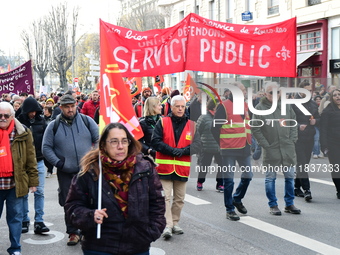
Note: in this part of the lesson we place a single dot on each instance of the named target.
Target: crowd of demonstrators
(174, 138)
(278, 143)
(66, 140)
(210, 148)
(330, 136)
(305, 143)
(89, 107)
(18, 172)
(134, 216)
(138, 107)
(234, 144)
(31, 117)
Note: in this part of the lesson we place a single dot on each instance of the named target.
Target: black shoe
(240, 207)
(298, 193)
(275, 210)
(39, 228)
(308, 195)
(292, 209)
(25, 226)
(232, 216)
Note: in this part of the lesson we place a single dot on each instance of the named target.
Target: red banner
(115, 102)
(17, 80)
(201, 44)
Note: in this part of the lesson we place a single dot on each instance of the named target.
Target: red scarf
(6, 162)
(118, 174)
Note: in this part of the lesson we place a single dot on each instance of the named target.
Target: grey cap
(67, 99)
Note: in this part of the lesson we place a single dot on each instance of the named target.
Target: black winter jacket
(209, 144)
(119, 235)
(330, 129)
(148, 124)
(302, 119)
(37, 125)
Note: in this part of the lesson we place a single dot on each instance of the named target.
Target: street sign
(75, 79)
(247, 15)
(95, 73)
(94, 62)
(95, 68)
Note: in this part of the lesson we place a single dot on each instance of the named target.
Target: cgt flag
(115, 101)
(134, 85)
(190, 88)
(159, 79)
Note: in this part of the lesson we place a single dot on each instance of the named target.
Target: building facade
(318, 34)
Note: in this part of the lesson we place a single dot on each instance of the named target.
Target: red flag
(159, 79)
(134, 85)
(115, 101)
(190, 88)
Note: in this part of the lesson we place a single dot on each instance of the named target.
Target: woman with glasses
(132, 197)
(330, 136)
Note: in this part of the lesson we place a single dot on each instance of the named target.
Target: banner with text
(17, 80)
(201, 44)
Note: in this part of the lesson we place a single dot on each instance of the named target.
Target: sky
(18, 15)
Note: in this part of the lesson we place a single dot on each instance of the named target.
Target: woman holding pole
(131, 207)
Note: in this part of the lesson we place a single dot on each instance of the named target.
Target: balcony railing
(273, 10)
(313, 2)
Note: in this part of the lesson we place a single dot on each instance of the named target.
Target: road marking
(58, 236)
(321, 181)
(195, 200)
(156, 251)
(290, 236)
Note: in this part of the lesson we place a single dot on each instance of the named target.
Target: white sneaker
(320, 156)
(177, 230)
(315, 156)
(48, 175)
(167, 233)
(16, 253)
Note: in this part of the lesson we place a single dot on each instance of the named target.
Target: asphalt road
(206, 229)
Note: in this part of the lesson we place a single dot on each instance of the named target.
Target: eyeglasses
(271, 92)
(6, 116)
(124, 142)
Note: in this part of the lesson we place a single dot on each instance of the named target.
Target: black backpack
(57, 122)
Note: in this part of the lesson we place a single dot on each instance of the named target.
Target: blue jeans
(316, 148)
(38, 196)
(13, 217)
(228, 168)
(88, 252)
(289, 186)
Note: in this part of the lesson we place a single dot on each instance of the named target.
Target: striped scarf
(118, 175)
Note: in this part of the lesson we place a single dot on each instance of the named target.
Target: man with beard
(65, 146)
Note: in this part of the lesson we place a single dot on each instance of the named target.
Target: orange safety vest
(168, 164)
(236, 133)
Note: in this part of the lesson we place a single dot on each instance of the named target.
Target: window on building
(211, 9)
(181, 15)
(197, 10)
(313, 2)
(230, 10)
(308, 41)
(273, 7)
(335, 43)
(250, 5)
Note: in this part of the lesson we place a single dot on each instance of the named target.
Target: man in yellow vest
(234, 139)
(173, 139)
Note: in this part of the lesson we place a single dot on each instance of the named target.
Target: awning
(302, 57)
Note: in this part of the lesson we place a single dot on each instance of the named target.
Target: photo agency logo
(279, 99)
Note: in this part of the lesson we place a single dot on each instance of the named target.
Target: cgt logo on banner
(17, 80)
(205, 45)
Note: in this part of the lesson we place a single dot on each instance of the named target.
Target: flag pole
(100, 177)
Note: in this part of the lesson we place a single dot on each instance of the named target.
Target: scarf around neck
(6, 162)
(118, 175)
